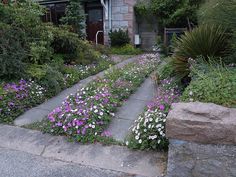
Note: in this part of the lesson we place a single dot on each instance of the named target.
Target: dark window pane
(95, 15)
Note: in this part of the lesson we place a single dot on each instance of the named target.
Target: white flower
(158, 141)
(190, 93)
(140, 141)
(136, 137)
(93, 126)
(127, 143)
(96, 111)
(101, 113)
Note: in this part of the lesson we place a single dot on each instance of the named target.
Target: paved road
(21, 164)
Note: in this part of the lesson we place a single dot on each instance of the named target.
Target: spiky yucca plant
(205, 40)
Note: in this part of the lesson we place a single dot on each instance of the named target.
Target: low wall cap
(206, 123)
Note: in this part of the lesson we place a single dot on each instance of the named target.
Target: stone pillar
(202, 140)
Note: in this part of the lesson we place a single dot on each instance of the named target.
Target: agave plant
(205, 40)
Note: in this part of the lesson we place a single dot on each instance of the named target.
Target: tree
(75, 17)
(169, 13)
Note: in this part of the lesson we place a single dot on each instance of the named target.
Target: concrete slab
(119, 128)
(33, 115)
(21, 139)
(146, 92)
(116, 158)
(131, 109)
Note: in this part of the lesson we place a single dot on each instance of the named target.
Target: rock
(188, 159)
(205, 123)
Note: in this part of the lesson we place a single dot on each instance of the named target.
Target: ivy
(169, 13)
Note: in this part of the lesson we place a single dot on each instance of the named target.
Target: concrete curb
(116, 158)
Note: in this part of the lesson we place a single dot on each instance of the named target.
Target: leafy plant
(53, 81)
(119, 38)
(127, 49)
(206, 41)
(223, 13)
(213, 83)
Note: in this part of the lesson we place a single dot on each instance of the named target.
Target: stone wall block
(202, 122)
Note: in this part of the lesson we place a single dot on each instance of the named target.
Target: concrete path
(38, 113)
(131, 109)
(29, 153)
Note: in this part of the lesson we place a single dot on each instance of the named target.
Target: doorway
(94, 22)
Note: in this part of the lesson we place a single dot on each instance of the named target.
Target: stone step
(115, 158)
(129, 112)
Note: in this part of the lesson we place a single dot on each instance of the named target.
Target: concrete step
(129, 112)
(95, 156)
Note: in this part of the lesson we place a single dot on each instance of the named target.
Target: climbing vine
(178, 13)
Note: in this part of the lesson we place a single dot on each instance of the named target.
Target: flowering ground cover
(19, 96)
(148, 132)
(85, 115)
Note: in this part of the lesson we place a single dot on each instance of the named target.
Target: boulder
(205, 123)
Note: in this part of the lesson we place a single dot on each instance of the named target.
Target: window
(54, 13)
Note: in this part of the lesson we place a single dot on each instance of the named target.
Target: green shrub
(12, 53)
(23, 38)
(205, 40)
(40, 53)
(128, 49)
(72, 75)
(36, 71)
(119, 38)
(102, 49)
(167, 71)
(213, 83)
(53, 81)
(73, 49)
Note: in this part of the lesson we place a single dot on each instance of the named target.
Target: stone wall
(122, 17)
(202, 140)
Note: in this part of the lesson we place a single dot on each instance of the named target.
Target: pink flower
(162, 107)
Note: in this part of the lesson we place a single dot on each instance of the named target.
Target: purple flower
(162, 107)
(83, 131)
(59, 124)
(106, 134)
(11, 104)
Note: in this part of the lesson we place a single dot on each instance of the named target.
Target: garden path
(130, 110)
(38, 113)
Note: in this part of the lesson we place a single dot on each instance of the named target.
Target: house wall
(122, 16)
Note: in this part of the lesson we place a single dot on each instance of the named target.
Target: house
(102, 17)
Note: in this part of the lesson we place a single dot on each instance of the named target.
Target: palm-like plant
(205, 40)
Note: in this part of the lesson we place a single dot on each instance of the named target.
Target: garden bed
(19, 96)
(85, 115)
